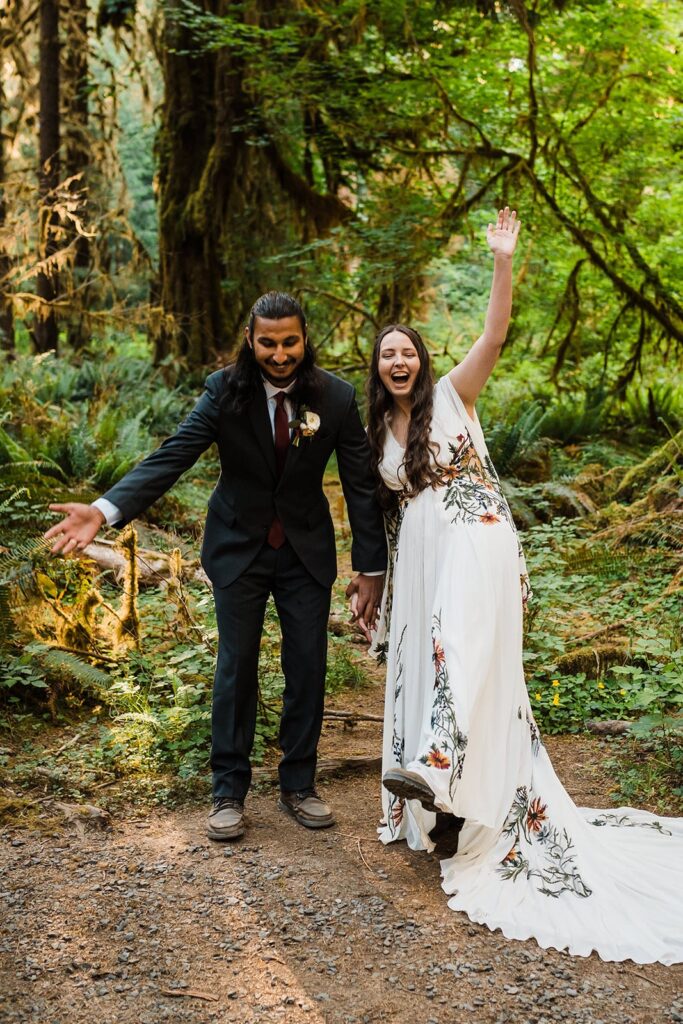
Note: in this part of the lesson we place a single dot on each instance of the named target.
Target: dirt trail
(149, 921)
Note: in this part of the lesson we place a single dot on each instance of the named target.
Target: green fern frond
(15, 456)
(16, 494)
(516, 438)
(602, 561)
(66, 667)
(18, 562)
(139, 716)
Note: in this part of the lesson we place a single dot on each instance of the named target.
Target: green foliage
(517, 438)
(89, 423)
(649, 769)
(638, 668)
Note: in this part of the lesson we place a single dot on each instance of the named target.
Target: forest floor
(137, 918)
(146, 920)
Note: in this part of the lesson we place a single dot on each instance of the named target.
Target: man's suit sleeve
(368, 548)
(157, 473)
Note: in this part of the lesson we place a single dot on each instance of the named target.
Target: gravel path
(148, 922)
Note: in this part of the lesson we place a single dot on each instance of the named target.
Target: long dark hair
(417, 466)
(243, 377)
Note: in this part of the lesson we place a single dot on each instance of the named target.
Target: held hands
(76, 530)
(502, 236)
(365, 597)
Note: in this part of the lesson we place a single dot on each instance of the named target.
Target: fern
(64, 667)
(13, 457)
(517, 438)
(18, 562)
(571, 420)
(144, 717)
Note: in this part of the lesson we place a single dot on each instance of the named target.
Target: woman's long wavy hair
(243, 377)
(417, 465)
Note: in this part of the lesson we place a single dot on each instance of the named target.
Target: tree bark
(6, 311)
(77, 156)
(189, 254)
(45, 327)
(229, 199)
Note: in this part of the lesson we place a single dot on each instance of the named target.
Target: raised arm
(469, 376)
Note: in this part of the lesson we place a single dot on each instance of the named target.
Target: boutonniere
(306, 424)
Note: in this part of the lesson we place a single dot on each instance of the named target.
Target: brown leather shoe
(306, 807)
(409, 786)
(226, 820)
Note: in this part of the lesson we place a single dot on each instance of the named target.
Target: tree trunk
(189, 257)
(77, 155)
(6, 311)
(45, 328)
(229, 200)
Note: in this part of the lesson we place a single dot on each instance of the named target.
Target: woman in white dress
(459, 733)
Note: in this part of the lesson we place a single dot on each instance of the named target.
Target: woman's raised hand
(502, 236)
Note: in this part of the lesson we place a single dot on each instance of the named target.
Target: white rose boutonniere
(306, 424)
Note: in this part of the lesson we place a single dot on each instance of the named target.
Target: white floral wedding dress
(457, 712)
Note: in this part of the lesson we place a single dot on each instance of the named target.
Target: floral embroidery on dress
(623, 821)
(528, 823)
(534, 734)
(435, 758)
(395, 814)
(392, 526)
(472, 489)
(398, 741)
(443, 720)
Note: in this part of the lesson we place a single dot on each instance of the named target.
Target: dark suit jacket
(249, 494)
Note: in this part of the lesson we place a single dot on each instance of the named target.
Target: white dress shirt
(271, 394)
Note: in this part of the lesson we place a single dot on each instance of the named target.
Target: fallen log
(352, 716)
(329, 766)
(153, 566)
(610, 727)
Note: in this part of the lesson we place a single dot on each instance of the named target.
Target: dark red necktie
(276, 533)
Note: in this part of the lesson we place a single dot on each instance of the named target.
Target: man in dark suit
(277, 419)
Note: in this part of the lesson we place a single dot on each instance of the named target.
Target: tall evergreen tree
(6, 311)
(45, 327)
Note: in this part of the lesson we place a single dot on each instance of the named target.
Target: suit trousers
(303, 607)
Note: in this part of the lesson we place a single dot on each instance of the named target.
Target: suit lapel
(295, 452)
(260, 421)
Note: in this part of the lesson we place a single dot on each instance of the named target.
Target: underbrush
(130, 669)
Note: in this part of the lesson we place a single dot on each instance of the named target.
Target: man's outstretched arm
(147, 481)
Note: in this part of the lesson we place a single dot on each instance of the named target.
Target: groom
(276, 418)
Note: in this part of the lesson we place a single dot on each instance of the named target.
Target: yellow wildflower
(601, 686)
(622, 692)
(537, 696)
(556, 699)
(556, 682)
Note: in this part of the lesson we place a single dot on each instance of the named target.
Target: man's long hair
(417, 465)
(243, 377)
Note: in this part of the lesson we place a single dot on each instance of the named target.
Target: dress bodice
(469, 489)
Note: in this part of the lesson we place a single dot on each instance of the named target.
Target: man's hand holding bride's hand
(365, 597)
(76, 530)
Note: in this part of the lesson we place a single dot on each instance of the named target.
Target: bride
(459, 734)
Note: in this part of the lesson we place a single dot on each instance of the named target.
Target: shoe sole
(324, 823)
(223, 837)
(409, 790)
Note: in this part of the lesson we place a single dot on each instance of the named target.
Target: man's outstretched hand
(77, 529)
(365, 595)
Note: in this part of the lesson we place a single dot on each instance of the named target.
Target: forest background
(162, 164)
